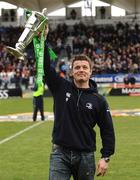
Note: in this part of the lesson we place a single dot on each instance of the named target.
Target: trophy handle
(40, 27)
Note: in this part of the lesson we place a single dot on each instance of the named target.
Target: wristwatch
(107, 159)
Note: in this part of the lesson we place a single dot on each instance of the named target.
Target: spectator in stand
(129, 79)
(17, 79)
(69, 51)
(91, 41)
(25, 77)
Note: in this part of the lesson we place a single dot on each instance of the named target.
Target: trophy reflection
(33, 26)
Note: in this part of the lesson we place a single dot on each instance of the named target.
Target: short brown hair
(81, 57)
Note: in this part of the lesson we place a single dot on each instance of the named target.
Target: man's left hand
(102, 167)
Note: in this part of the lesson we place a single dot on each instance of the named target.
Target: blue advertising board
(114, 78)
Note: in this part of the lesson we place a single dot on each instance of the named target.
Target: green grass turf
(124, 102)
(124, 165)
(26, 157)
(20, 105)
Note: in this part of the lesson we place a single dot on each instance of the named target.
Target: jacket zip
(79, 95)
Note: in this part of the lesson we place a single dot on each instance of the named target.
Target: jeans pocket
(58, 162)
(88, 163)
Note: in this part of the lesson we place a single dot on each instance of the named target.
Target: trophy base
(15, 52)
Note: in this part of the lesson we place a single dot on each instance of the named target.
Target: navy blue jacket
(76, 112)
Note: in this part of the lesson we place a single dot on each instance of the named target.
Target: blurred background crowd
(112, 49)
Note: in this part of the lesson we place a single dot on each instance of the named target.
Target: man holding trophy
(77, 109)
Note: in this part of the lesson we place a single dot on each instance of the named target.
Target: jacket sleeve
(52, 79)
(107, 134)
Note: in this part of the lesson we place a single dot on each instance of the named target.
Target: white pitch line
(19, 133)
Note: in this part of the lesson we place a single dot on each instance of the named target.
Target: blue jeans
(65, 163)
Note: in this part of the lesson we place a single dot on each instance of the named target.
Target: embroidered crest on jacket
(89, 105)
(68, 95)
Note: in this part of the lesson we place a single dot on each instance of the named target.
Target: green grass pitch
(26, 157)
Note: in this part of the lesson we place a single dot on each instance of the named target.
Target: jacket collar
(92, 87)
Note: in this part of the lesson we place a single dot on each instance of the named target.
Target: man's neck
(82, 85)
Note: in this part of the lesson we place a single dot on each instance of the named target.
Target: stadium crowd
(112, 48)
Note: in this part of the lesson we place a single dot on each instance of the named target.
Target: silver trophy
(33, 26)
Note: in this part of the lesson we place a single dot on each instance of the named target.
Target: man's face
(81, 71)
